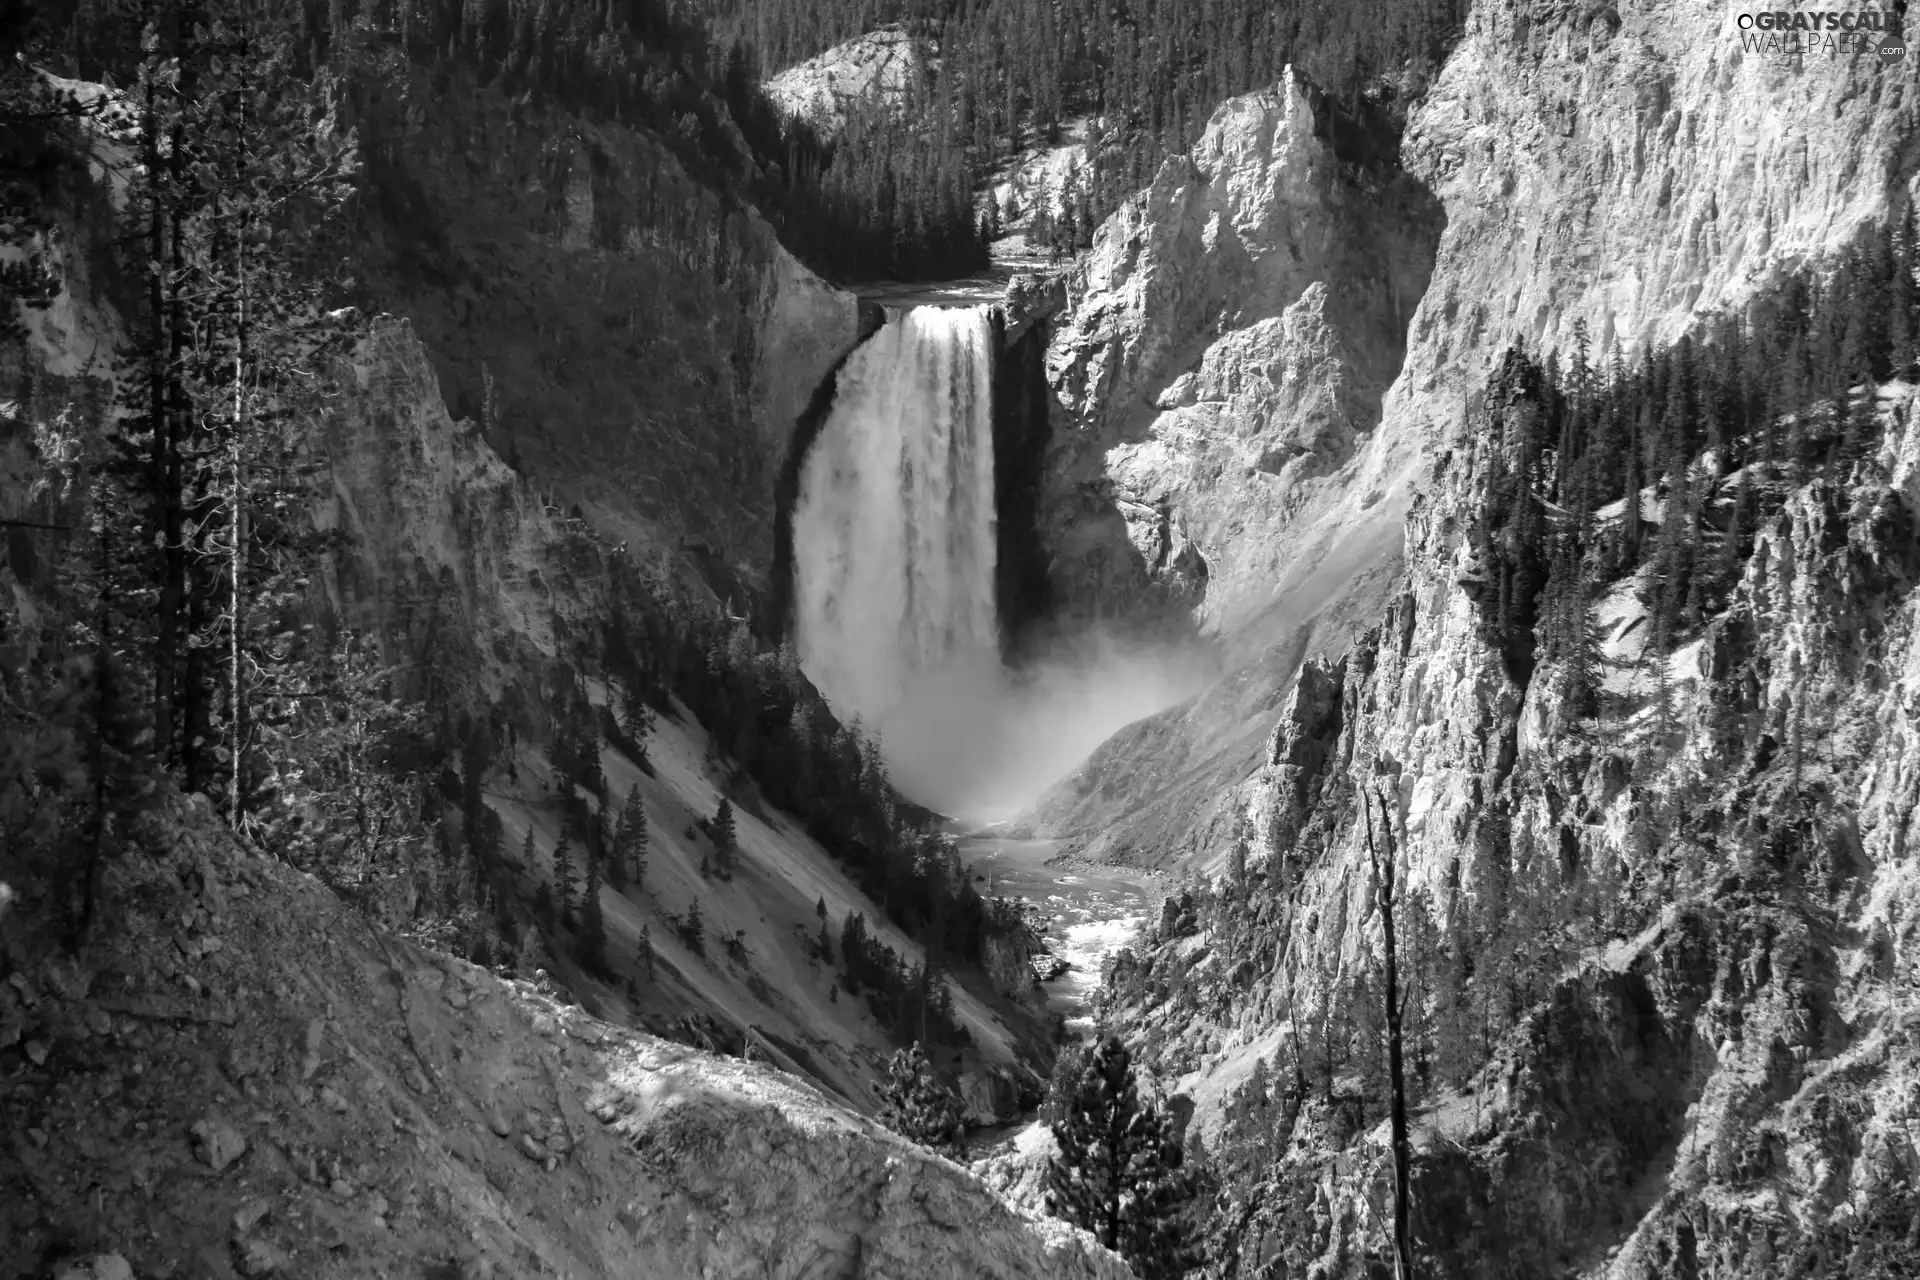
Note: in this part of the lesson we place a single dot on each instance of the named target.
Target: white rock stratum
(882, 68)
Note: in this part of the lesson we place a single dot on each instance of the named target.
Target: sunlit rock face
(1744, 1056)
(882, 69)
(1633, 168)
(1230, 336)
(1736, 1017)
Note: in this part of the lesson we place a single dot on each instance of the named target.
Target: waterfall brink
(893, 531)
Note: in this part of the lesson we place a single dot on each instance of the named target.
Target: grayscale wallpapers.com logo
(1829, 32)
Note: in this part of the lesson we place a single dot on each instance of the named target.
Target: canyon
(1165, 557)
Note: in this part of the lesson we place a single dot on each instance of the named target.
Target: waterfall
(893, 530)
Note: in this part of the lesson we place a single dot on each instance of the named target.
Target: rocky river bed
(1084, 912)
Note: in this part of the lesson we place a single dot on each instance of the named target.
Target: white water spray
(893, 534)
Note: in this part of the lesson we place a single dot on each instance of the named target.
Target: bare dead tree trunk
(1383, 870)
(238, 727)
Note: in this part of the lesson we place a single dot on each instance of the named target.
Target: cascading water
(894, 551)
(893, 532)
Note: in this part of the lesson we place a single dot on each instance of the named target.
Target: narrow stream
(1089, 912)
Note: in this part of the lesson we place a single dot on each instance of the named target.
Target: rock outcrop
(447, 549)
(240, 1073)
(1230, 338)
(1008, 960)
(883, 70)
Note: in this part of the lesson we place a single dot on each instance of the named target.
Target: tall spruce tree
(1120, 1174)
(563, 880)
(693, 930)
(724, 840)
(630, 847)
(592, 945)
(607, 828)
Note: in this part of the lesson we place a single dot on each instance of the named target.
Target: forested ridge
(886, 200)
(1709, 434)
(895, 193)
(1012, 72)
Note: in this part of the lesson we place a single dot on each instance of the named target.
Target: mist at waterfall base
(895, 618)
(982, 742)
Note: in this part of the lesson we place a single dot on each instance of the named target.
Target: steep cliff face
(1708, 1067)
(1715, 1082)
(1231, 334)
(1632, 168)
(445, 540)
(642, 344)
(241, 1075)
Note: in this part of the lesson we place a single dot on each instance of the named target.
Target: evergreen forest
(895, 194)
(1151, 72)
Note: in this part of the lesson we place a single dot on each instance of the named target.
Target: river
(1090, 912)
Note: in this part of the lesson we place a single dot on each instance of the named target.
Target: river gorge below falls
(1086, 913)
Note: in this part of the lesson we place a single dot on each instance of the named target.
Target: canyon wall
(1725, 1076)
(885, 68)
(1632, 168)
(1721, 1082)
(634, 340)
(1230, 335)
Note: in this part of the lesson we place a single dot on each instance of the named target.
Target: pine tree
(694, 930)
(631, 844)
(724, 840)
(915, 1104)
(1119, 1173)
(563, 880)
(1382, 864)
(593, 926)
(1902, 329)
(615, 864)
(636, 727)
